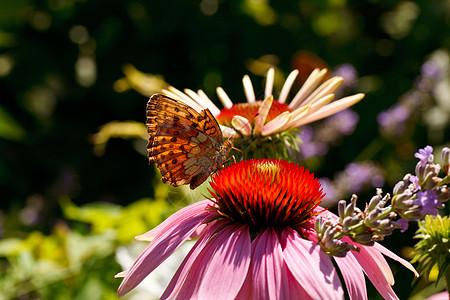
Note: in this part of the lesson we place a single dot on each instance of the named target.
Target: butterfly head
(228, 144)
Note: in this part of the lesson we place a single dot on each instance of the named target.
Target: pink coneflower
(261, 128)
(257, 240)
(311, 103)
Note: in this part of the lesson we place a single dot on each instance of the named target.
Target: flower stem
(341, 234)
(355, 228)
(444, 180)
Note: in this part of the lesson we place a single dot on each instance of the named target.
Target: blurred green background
(65, 207)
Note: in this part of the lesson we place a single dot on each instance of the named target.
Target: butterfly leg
(232, 157)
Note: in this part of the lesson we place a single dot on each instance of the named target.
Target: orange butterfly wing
(160, 108)
(187, 146)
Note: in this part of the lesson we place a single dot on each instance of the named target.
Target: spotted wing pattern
(187, 146)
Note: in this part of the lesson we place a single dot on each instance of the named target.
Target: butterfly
(186, 145)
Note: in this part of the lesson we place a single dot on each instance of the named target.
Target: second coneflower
(257, 240)
(263, 128)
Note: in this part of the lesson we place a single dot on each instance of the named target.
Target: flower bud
(401, 186)
(364, 239)
(374, 202)
(442, 193)
(446, 160)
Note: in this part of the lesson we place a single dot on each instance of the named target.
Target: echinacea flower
(257, 122)
(257, 240)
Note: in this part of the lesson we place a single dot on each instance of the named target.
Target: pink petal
(308, 87)
(296, 289)
(201, 230)
(439, 296)
(179, 277)
(353, 276)
(277, 124)
(227, 131)
(246, 291)
(324, 89)
(319, 103)
(269, 273)
(263, 111)
(170, 236)
(311, 267)
(394, 256)
(298, 115)
(242, 125)
(193, 209)
(376, 268)
(332, 108)
(221, 267)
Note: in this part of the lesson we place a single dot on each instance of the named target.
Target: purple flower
(424, 154)
(306, 134)
(404, 224)
(396, 114)
(429, 201)
(415, 181)
(331, 194)
(345, 121)
(312, 149)
(392, 121)
(431, 70)
(309, 147)
(360, 174)
(348, 72)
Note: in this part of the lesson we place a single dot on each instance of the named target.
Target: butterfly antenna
(239, 130)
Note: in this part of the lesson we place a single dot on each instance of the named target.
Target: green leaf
(9, 128)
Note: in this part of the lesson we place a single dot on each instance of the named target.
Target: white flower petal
(242, 125)
(332, 108)
(262, 114)
(287, 86)
(248, 89)
(276, 125)
(212, 107)
(297, 115)
(179, 95)
(269, 82)
(169, 93)
(198, 99)
(227, 132)
(226, 101)
(310, 84)
(320, 102)
(326, 88)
